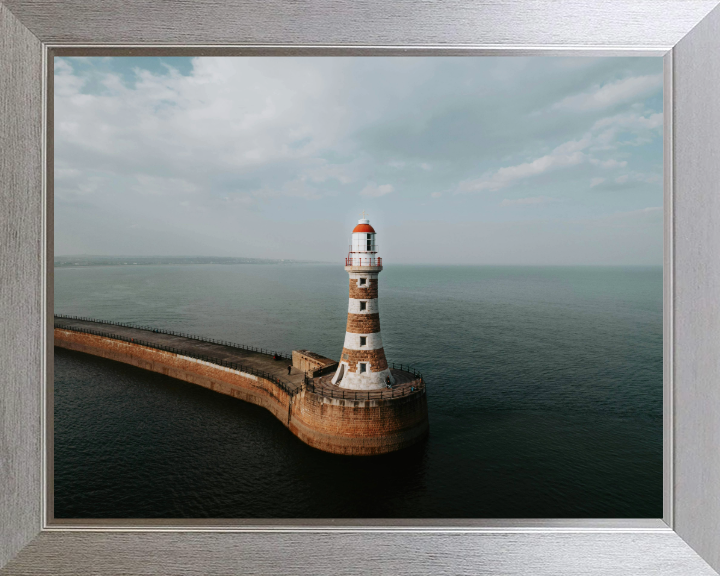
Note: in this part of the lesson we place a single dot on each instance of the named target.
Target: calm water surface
(544, 392)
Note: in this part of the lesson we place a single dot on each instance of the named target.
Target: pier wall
(340, 426)
(356, 427)
(240, 385)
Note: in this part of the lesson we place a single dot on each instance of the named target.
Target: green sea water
(544, 394)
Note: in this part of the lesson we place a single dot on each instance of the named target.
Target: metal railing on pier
(280, 355)
(180, 352)
(406, 368)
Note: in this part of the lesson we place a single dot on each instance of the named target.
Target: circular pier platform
(406, 383)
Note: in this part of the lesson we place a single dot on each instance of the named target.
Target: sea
(544, 389)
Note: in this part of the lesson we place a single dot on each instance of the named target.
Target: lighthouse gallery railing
(356, 261)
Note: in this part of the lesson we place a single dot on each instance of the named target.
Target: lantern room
(363, 249)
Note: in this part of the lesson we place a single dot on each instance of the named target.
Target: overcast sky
(470, 160)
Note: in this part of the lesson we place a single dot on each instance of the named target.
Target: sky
(456, 160)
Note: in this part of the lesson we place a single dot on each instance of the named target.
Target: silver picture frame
(686, 33)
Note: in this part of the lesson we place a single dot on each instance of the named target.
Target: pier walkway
(256, 360)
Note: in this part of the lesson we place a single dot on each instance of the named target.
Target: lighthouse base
(361, 380)
(361, 423)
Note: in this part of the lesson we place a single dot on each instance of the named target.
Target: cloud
(633, 218)
(630, 121)
(246, 200)
(610, 94)
(211, 154)
(229, 119)
(321, 170)
(372, 190)
(281, 123)
(647, 178)
(641, 128)
(567, 154)
(603, 135)
(628, 181)
(65, 173)
(298, 188)
(611, 163)
(165, 186)
(398, 164)
(650, 210)
(525, 201)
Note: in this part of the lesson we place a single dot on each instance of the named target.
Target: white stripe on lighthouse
(373, 341)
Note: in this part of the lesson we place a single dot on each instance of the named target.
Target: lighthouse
(363, 365)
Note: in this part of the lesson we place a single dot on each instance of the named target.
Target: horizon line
(294, 261)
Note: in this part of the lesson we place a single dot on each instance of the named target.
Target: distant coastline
(80, 261)
(86, 261)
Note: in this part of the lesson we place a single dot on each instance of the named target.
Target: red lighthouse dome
(363, 228)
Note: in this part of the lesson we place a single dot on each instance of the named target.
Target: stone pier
(318, 412)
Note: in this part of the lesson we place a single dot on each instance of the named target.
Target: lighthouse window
(363, 340)
(363, 367)
(362, 281)
(363, 305)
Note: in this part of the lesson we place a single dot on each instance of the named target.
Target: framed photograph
(505, 288)
(650, 123)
